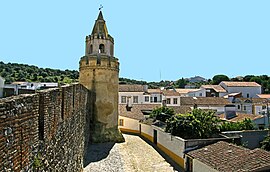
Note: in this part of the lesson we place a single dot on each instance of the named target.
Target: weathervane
(100, 7)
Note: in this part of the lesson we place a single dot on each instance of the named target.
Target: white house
(214, 90)
(171, 98)
(2, 82)
(133, 94)
(251, 106)
(208, 103)
(223, 156)
(155, 95)
(248, 89)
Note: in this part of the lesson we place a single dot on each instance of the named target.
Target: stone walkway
(133, 155)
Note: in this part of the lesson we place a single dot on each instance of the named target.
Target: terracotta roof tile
(154, 91)
(240, 84)
(241, 116)
(170, 93)
(136, 110)
(181, 109)
(131, 88)
(217, 88)
(265, 96)
(224, 156)
(185, 91)
(184, 101)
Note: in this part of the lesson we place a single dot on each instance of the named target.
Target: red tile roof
(136, 110)
(217, 88)
(265, 96)
(131, 88)
(224, 156)
(240, 84)
(241, 116)
(170, 93)
(185, 101)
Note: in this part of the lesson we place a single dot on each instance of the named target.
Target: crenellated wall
(45, 131)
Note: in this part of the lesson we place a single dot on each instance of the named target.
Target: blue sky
(153, 39)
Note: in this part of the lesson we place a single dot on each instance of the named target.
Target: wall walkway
(133, 155)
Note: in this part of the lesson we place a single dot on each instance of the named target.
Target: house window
(238, 106)
(155, 99)
(135, 99)
(123, 99)
(146, 98)
(168, 101)
(174, 100)
(247, 95)
(121, 122)
(263, 107)
(245, 108)
(200, 94)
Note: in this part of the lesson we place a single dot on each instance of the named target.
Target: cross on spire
(100, 7)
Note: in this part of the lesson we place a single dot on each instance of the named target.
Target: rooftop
(240, 84)
(241, 116)
(185, 101)
(265, 96)
(224, 156)
(136, 110)
(170, 93)
(185, 91)
(131, 88)
(217, 88)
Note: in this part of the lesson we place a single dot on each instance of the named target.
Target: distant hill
(23, 72)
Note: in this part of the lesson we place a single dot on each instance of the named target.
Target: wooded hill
(23, 72)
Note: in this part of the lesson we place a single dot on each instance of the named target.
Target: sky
(154, 40)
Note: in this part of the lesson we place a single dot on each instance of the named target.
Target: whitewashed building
(248, 89)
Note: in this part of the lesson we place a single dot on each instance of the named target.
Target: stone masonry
(99, 72)
(45, 131)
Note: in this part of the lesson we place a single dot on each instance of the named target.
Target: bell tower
(99, 72)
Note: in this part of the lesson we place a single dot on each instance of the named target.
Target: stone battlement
(46, 131)
(100, 62)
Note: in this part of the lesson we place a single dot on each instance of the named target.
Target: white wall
(172, 97)
(159, 98)
(199, 93)
(172, 143)
(201, 167)
(2, 81)
(129, 124)
(131, 95)
(252, 91)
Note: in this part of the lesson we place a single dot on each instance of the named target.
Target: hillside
(23, 72)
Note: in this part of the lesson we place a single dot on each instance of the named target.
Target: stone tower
(99, 72)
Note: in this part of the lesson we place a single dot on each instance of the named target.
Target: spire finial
(100, 7)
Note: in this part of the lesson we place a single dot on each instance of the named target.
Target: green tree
(198, 124)
(162, 113)
(246, 124)
(218, 78)
(181, 83)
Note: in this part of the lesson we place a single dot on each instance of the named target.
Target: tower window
(101, 48)
(111, 50)
(91, 49)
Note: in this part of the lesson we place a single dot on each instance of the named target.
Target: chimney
(230, 111)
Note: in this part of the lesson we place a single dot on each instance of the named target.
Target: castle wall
(45, 131)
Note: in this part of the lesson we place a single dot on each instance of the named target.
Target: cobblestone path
(133, 155)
